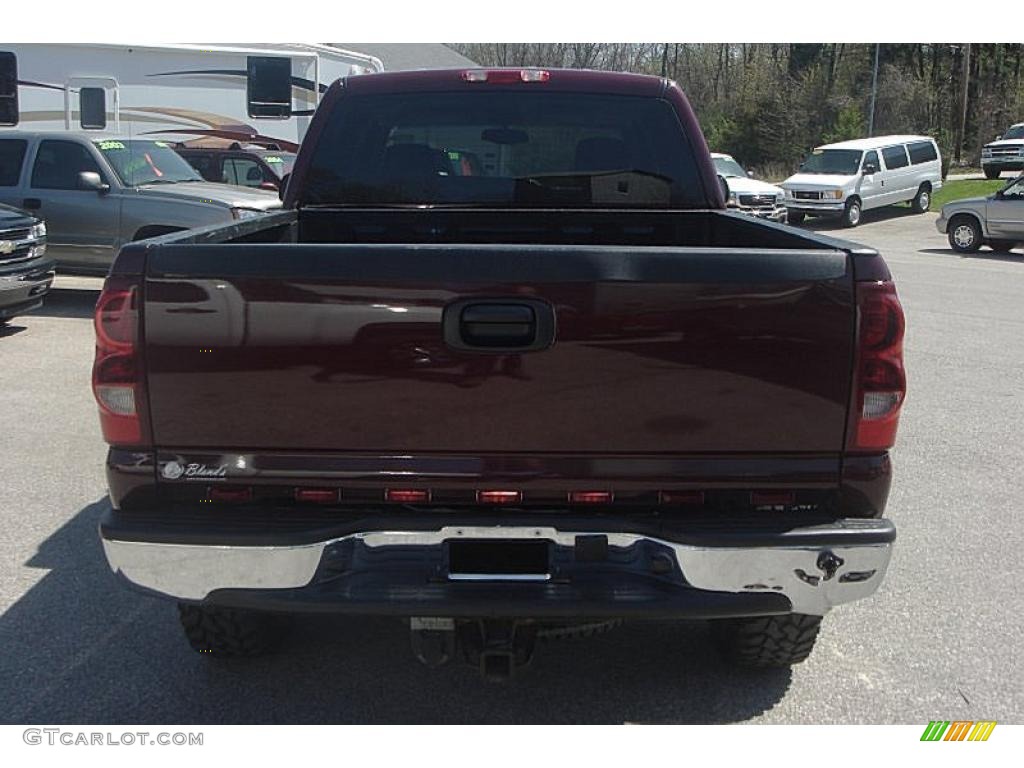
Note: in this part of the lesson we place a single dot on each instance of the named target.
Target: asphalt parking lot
(941, 640)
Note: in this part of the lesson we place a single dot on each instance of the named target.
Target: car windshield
(843, 162)
(1015, 189)
(280, 163)
(1017, 132)
(499, 147)
(139, 162)
(728, 167)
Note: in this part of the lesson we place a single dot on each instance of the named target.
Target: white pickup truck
(1006, 153)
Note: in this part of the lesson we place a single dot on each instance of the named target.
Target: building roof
(875, 142)
(397, 56)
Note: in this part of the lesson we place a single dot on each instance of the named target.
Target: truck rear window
(503, 148)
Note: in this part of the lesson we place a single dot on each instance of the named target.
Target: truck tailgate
(343, 348)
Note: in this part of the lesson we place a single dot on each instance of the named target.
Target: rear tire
(991, 173)
(964, 234)
(794, 217)
(922, 200)
(851, 216)
(767, 641)
(227, 632)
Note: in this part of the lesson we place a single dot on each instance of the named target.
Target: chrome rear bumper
(810, 567)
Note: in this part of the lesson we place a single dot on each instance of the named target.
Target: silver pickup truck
(98, 193)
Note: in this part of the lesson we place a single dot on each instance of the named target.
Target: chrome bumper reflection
(814, 578)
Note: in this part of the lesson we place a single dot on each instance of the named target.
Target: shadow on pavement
(873, 216)
(68, 302)
(80, 648)
(10, 328)
(1014, 257)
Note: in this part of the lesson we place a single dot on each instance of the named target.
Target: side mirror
(998, 136)
(750, 174)
(870, 169)
(283, 185)
(92, 181)
(269, 186)
(724, 186)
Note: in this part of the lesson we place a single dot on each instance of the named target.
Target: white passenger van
(842, 180)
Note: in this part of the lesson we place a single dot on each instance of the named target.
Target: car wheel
(768, 641)
(794, 217)
(964, 234)
(851, 216)
(922, 200)
(992, 173)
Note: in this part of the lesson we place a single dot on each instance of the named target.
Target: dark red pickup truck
(504, 366)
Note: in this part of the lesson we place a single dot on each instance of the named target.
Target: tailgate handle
(499, 325)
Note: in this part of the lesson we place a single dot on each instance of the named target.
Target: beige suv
(996, 221)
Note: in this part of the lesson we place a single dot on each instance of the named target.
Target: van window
(8, 88)
(845, 162)
(92, 108)
(270, 86)
(12, 155)
(58, 164)
(922, 152)
(895, 157)
(871, 158)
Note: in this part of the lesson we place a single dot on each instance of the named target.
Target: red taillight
(881, 383)
(506, 76)
(591, 497)
(499, 497)
(317, 495)
(407, 496)
(117, 370)
(230, 494)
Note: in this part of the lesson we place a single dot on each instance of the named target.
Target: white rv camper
(260, 93)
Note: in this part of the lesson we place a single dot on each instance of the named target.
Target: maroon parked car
(548, 389)
(242, 165)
